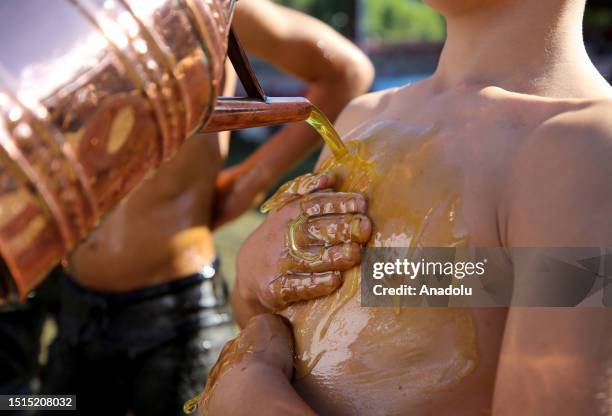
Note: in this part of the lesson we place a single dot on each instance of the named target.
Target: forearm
(244, 308)
(253, 373)
(257, 389)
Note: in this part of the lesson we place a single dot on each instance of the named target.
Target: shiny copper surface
(94, 94)
(237, 113)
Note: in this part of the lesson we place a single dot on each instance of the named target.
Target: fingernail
(319, 181)
(356, 226)
(361, 204)
(360, 227)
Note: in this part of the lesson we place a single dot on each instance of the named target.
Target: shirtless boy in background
(144, 310)
(507, 144)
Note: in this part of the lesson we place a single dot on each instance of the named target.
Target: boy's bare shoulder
(560, 191)
(592, 116)
(582, 133)
(362, 108)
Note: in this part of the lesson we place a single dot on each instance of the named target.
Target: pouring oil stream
(326, 130)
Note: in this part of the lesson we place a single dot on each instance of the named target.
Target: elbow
(343, 75)
(357, 74)
(349, 73)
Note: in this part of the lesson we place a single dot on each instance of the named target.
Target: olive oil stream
(330, 136)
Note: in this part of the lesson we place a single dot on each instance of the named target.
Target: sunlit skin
(502, 146)
(163, 230)
(267, 339)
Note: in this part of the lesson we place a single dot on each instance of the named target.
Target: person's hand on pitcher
(299, 252)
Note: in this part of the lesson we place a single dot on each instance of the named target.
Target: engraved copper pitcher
(94, 94)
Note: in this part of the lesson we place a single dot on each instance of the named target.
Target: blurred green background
(387, 20)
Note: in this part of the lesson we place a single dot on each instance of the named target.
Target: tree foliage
(333, 12)
(386, 20)
(402, 21)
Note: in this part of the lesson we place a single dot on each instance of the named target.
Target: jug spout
(238, 113)
(256, 109)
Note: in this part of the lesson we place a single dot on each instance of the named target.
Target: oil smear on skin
(340, 152)
(234, 352)
(345, 354)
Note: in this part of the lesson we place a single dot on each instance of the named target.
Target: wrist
(266, 175)
(245, 305)
(259, 174)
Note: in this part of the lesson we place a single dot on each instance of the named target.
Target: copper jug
(94, 94)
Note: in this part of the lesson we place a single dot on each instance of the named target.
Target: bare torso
(161, 231)
(440, 165)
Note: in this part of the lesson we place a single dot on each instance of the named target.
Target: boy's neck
(526, 46)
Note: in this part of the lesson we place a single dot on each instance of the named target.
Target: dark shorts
(20, 330)
(145, 352)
